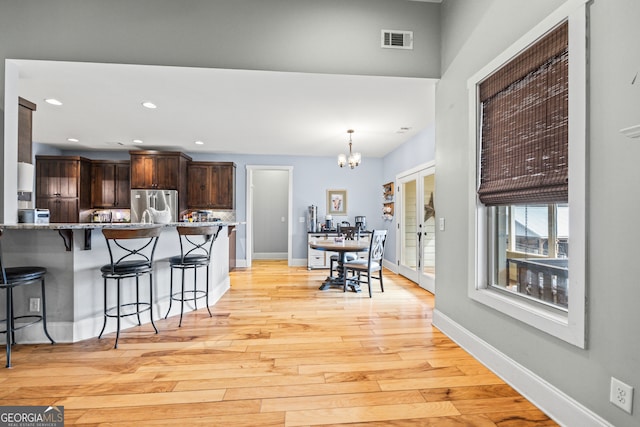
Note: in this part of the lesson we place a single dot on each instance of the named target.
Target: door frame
(249, 209)
(418, 173)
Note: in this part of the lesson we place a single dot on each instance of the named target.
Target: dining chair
(371, 265)
(131, 252)
(11, 278)
(349, 233)
(196, 243)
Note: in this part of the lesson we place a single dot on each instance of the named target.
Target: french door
(417, 227)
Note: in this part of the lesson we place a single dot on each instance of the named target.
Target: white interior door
(416, 225)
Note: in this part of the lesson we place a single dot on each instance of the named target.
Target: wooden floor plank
(342, 401)
(276, 352)
(369, 413)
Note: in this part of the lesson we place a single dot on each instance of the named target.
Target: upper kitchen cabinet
(211, 185)
(110, 184)
(158, 170)
(25, 125)
(62, 186)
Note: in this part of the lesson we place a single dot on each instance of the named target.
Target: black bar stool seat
(131, 252)
(11, 278)
(24, 274)
(127, 268)
(196, 243)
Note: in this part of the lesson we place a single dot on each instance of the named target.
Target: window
(531, 245)
(528, 119)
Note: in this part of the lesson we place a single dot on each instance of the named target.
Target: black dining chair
(196, 243)
(131, 252)
(367, 268)
(13, 277)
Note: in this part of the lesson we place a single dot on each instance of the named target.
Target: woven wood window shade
(525, 152)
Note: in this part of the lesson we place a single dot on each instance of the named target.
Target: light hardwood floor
(277, 352)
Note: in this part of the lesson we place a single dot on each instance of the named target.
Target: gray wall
(613, 349)
(328, 36)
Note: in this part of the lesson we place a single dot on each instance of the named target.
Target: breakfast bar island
(73, 254)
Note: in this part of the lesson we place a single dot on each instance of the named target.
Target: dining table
(341, 246)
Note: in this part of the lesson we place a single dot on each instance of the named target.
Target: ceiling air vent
(397, 39)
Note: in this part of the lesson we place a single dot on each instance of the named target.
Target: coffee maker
(328, 219)
(361, 223)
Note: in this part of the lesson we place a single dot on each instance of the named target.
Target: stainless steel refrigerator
(157, 206)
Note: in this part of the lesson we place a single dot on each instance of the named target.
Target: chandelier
(354, 159)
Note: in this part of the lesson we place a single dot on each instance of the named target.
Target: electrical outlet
(621, 395)
(34, 305)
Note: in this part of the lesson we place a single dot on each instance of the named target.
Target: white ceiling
(231, 111)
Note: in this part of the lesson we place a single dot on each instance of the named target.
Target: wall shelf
(388, 201)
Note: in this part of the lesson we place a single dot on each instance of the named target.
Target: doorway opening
(269, 204)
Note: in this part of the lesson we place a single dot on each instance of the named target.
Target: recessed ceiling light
(137, 141)
(53, 101)
(149, 104)
(73, 140)
(199, 142)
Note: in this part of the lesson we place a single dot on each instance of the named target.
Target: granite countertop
(100, 225)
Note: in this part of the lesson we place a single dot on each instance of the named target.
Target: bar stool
(13, 277)
(195, 252)
(131, 253)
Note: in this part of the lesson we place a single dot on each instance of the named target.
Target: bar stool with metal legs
(13, 277)
(131, 253)
(196, 243)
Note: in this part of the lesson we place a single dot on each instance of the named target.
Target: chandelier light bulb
(354, 159)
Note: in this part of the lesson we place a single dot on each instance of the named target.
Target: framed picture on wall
(337, 202)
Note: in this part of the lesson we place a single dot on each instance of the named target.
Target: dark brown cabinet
(110, 184)
(158, 170)
(25, 124)
(61, 186)
(211, 185)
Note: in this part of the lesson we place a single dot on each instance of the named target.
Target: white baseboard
(299, 262)
(390, 265)
(270, 255)
(559, 406)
